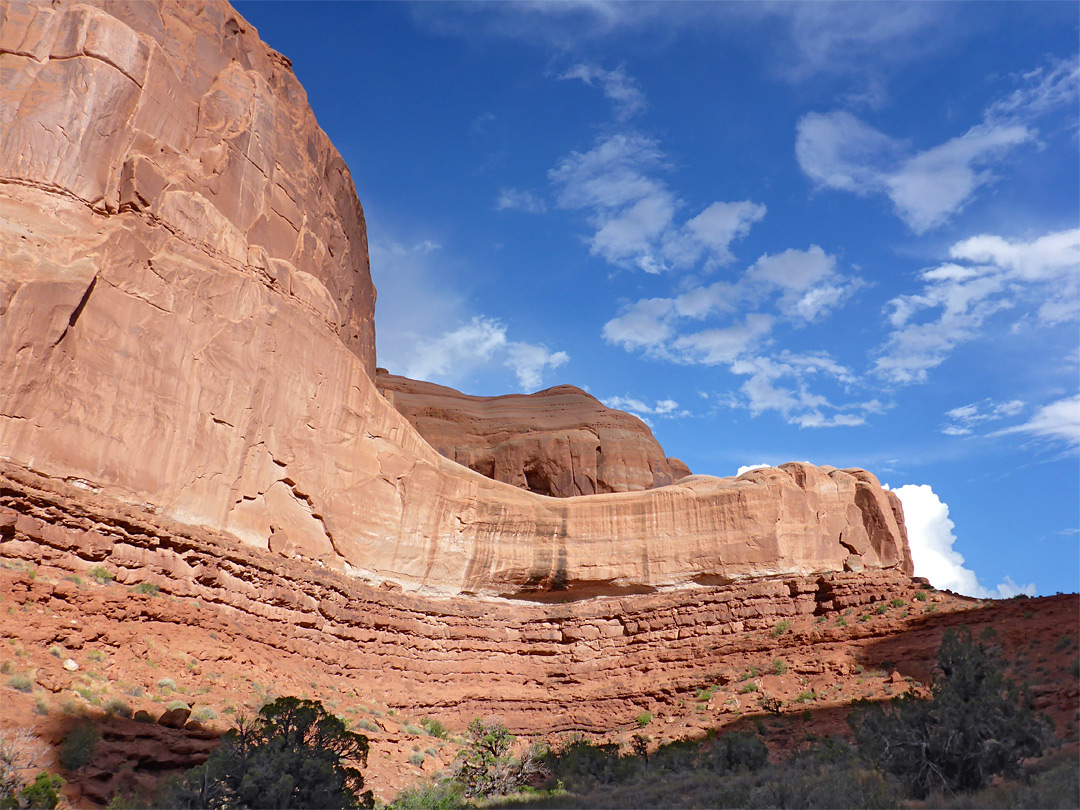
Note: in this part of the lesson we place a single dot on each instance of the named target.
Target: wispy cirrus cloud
(622, 90)
(989, 274)
(427, 331)
(1057, 421)
(838, 151)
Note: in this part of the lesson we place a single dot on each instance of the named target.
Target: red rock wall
(160, 346)
(560, 441)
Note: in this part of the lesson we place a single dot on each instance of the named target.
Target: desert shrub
(56, 651)
(21, 682)
(898, 602)
(148, 588)
(40, 706)
(79, 746)
(416, 758)
(95, 655)
(434, 728)
(43, 793)
(205, 713)
(367, 725)
(177, 704)
(101, 575)
(779, 667)
(20, 750)
(976, 723)
(412, 730)
(781, 627)
(920, 596)
(486, 766)
(443, 795)
(166, 684)
(1055, 788)
(644, 719)
(118, 707)
(747, 688)
(293, 754)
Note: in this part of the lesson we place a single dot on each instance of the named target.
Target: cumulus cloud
(838, 151)
(529, 362)
(1059, 421)
(1041, 276)
(622, 90)
(930, 535)
(749, 467)
(809, 284)
(633, 212)
(512, 199)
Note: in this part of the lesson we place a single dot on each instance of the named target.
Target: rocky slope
(560, 441)
(190, 614)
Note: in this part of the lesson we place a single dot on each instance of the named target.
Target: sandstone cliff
(185, 323)
(560, 441)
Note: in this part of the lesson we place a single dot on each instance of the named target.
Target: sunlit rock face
(186, 323)
(560, 441)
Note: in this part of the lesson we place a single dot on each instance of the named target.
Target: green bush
(412, 730)
(147, 588)
(442, 795)
(748, 687)
(781, 627)
(166, 684)
(485, 766)
(101, 575)
(118, 707)
(920, 596)
(56, 651)
(416, 758)
(976, 724)
(177, 704)
(779, 667)
(79, 746)
(644, 719)
(294, 754)
(434, 728)
(21, 683)
(205, 713)
(43, 793)
(95, 655)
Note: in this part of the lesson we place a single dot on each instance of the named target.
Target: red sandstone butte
(186, 323)
(560, 441)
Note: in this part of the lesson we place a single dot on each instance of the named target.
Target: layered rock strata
(589, 665)
(185, 322)
(560, 441)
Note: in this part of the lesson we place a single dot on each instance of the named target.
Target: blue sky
(847, 234)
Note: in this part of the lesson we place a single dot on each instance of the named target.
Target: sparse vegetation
(976, 724)
(204, 714)
(56, 651)
(294, 754)
(119, 707)
(177, 704)
(148, 588)
(101, 575)
(643, 719)
(920, 596)
(95, 655)
(898, 603)
(167, 685)
(79, 746)
(21, 682)
(412, 730)
(416, 758)
(434, 728)
(779, 667)
(781, 627)
(486, 765)
(747, 688)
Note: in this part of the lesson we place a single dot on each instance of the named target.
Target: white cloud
(930, 535)
(1042, 275)
(1059, 421)
(723, 345)
(964, 419)
(621, 89)
(810, 285)
(643, 325)
(662, 407)
(512, 199)
(425, 329)
(633, 212)
(749, 467)
(838, 151)
(529, 362)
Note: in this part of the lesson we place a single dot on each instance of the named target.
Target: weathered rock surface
(232, 622)
(185, 322)
(560, 441)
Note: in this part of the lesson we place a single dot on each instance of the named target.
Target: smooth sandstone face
(560, 441)
(186, 322)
